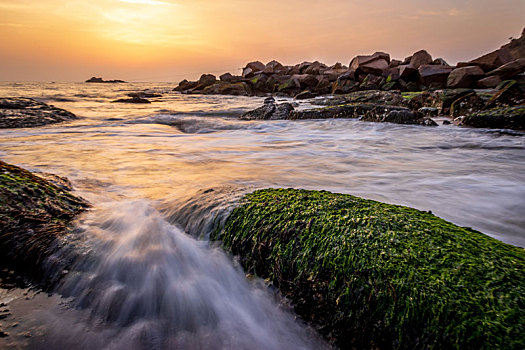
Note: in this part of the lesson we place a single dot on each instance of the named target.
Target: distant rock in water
(135, 99)
(21, 112)
(100, 80)
(34, 212)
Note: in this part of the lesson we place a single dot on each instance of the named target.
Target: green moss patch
(33, 212)
(370, 274)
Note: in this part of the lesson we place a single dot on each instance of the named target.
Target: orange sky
(168, 40)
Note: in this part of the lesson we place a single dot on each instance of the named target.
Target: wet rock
(497, 118)
(132, 100)
(510, 69)
(20, 112)
(489, 82)
(144, 94)
(464, 77)
(269, 111)
(100, 80)
(435, 76)
(508, 94)
(467, 105)
(305, 95)
(186, 85)
(398, 116)
(33, 214)
(420, 58)
(428, 111)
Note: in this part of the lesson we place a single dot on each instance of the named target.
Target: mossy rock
(33, 213)
(498, 118)
(373, 275)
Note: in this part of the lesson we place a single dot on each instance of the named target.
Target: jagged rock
(394, 63)
(407, 72)
(372, 64)
(420, 58)
(305, 81)
(371, 82)
(434, 76)
(398, 116)
(491, 60)
(315, 68)
(334, 74)
(252, 68)
(508, 94)
(100, 80)
(510, 69)
(464, 77)
(516, 47)
(227, 77)
(135, 99)
(20, 112)
(392, 74)
(269, 111)
(440, 62)
(498, 118)
(186, 85)
(467, 105)
(489, 82)
(274, 67)
(338, 65)
(205, 80)
(428, 111)
(225, 88)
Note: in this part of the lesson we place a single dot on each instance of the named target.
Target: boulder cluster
(378, 71)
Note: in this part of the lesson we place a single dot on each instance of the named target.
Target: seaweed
(369, 274)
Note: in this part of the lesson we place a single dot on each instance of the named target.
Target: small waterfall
(156, 287)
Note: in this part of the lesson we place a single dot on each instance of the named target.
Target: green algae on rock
(33, 213)
(369, 274)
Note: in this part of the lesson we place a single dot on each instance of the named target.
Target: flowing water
(144, 274)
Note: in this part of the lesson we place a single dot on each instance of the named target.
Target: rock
(269, 100)
(186, 85)
(132, 100)
(338, 65)
(274, 67)
(334, 74)
(489, 82)
(144, 94)
(372, 64)
(256, 66)
(371, 82)
(510, 69)
(464, 77)
(305, 81)
(516, 47)
(228, 78)
(391, 74)
(440, 62)
(269, 111)
(407, 72)
(225, 88)
(491, 60)
(33, 214)
(497, 118)
(409, 279)
(205, 80)
(305, 95)
(398, 116)
(100, 80)
(466, 105)
(428, 111)
(20, 112)
(315, 68)
(434, 75)
(394, 63)
(420, 58)
(508, 94)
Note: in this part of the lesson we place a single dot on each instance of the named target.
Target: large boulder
(497, 118)
(434, 76)
(334, 74)
(464, 77)
(489, 82)
(227, 77)
(315, 68)
(20, 112)
(371, 64)
(516, 47)
(269, 111)
(186, 85)
(252, 68)
(274, 67)
(34, 214)
(407, 72)
(305, 81)
(375, 275)
(510, 69)
(420, 58)
(225, 88)
(205, 81)
(490, 61)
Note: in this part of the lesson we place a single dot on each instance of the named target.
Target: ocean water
(157, 175)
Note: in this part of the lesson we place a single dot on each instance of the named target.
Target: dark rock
(305, 95)
(391, 74)
(492, 60)
(446, 122)
(252, 68)
(510, 69)
(315, 68)
(489, 82)
(227, 77)
(464, 77)
(205, 80)
(33, 214)
(429, 74)
(497, 118)
(371, 82)
(270, 111)
(186, 85)
(372, 64)
(516, 47)
(338, 65)
(144, 94)
(420, 58)
(394, 63)
(274, 67)
(440, 62)
(334, 74)
(20, 112)
(398, 116)
(305, 81)
(100, 80)
(467, 105)
(225, 88)
(132, 100)
(269, 100)
(428, 111)
(407, 72)
(508, 94)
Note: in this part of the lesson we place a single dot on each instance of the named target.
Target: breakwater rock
(374, 275)
(100, 80)
(417, 72)
(34, 212)
(21, 112)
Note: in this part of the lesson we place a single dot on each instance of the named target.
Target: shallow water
(149, 170)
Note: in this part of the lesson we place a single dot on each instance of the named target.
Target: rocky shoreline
(21, 112)
(372, 275)
(488, 91)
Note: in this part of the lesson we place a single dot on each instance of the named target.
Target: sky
(169, 40)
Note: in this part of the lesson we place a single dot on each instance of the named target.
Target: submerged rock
(372, 275)
(33, 214)
(21, 112)
(100, 80)
(135, 99)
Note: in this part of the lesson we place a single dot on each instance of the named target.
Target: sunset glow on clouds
(167, 40)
